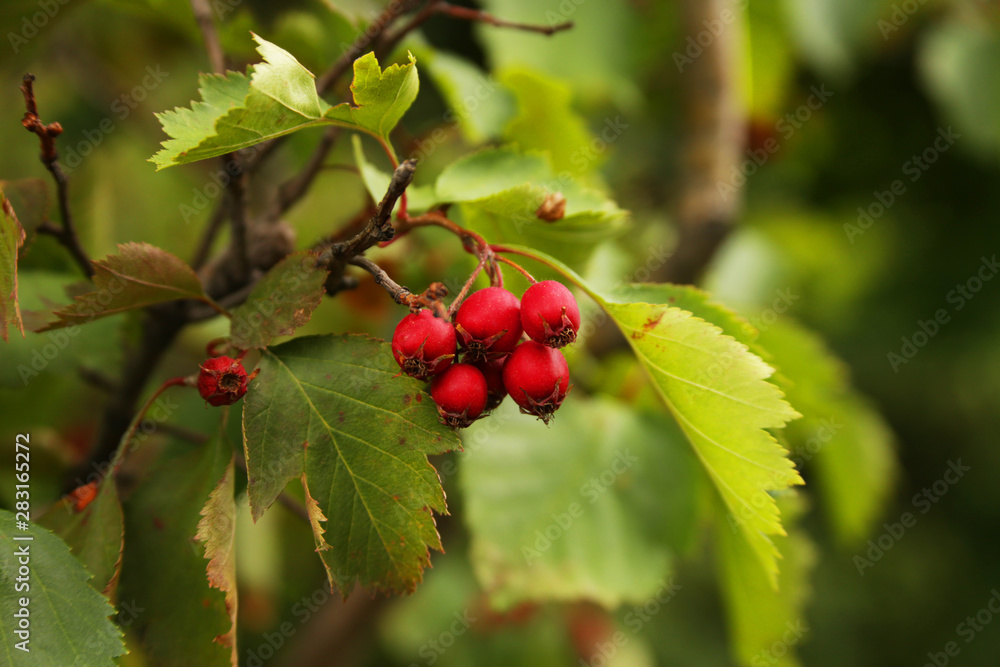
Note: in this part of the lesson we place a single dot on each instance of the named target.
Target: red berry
(489, 323)
(83, 496)
(423, 345)
(460, 394)
(222, 381)
(492, 370)
(537, 378)
(549, 314)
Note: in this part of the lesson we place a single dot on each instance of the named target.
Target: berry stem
(387, 147)
(465, 288)
(518, 267)
(141, 415)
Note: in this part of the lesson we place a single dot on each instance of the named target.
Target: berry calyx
(492, 370)
(489, 323)
(423, 345)
(537, 378)
(550, 314)
(223, 381)
(460, 393)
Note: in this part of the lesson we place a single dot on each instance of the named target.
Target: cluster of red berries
(494, 362)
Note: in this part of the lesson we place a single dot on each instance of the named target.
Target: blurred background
(864, 192)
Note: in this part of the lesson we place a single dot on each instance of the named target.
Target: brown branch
(398, 293)
(292, 190)
(371, 35)
(209, 234)
(203, 15)
(708, 205)
(335, 256)
(238, 217)
(66, 234)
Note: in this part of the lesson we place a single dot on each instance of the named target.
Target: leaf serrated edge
(221, 568)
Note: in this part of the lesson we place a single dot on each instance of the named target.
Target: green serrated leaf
(717, 391)
(332, 407)
(381, 97)
(419, 197)
(479, 104)
(500, 189)
(12, 239)
(68, 619)
(95, 535)
(846, 440)
(237, 112)
(280, 303)
(957, 59)
(277, 98)
(191, 129)
(490, 172)
(138, 276)
(766, 624)
(595, 514)
(183, 619)
(547, 122)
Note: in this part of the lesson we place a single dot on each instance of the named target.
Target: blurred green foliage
(897, 75)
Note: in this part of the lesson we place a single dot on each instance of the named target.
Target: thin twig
(209, 234)
(292, 190)
(438, 7)
(203, 15)
(398, 293)
(378, 229)
(66, 235)
(238, 217)
(371, 35)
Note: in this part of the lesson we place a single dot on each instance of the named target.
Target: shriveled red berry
(489, 323)
(222, 381)
(460, 394)
(492, 370)
(549, 314)
(423, 345)
(537, 378)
